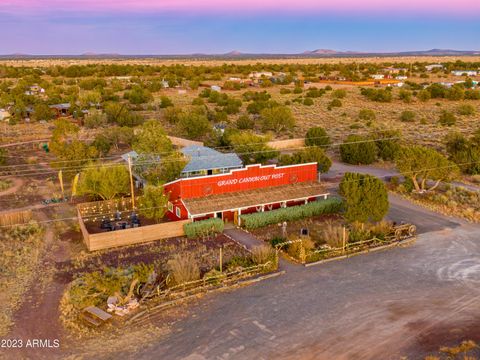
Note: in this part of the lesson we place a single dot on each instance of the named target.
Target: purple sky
(217, 26)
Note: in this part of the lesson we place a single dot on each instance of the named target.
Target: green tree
(366, 197)
(388, 144)
(317, 136)
(421, 164)
(194, 125)
(95, 119)
(104, 182)
(252, 148)
(308, 155)
(151, 139)
(160, 170)
(278, 118)
(138, 95)
(153, 203)
(358, 149)
(42, 112)
(424, 95)
(165, 102)
(464, 152)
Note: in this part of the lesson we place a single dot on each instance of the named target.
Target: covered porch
(230, 206)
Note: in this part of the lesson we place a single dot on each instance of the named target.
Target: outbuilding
(254, 188)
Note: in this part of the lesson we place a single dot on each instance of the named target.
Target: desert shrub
(366, 114)
(424, 95)
(334, 103)
(339, 93)
(308, 101)
(466, 109)
(277, 240)
(447, 118)
(405, 95)
(379, 95)
(244, 122)
(297, 90)
(284, 91)
(239, 262)
(407, 116)
(94, 288)
(358, 150)
(257, 220)
(317, 136)
(183, 268)
(203, 228)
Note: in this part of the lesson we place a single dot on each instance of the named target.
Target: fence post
(221, 258)
(344, 239)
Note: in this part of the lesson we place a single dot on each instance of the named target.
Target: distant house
(201, 161)
(35, 90)
(464, 73)
(401, 77)
(61, 109)
(4, 115)
(378, 76)
(235, 79)
(165, 84)
(207, 161)
(216, 88)
(392, 70)
(260, 74)
(433, 66)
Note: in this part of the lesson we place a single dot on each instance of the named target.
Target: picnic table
(95, 316)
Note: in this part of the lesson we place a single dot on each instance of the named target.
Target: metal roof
(205, 158)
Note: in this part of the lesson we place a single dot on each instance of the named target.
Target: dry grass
(262, 254)
(183, 268)
(332, 234)
(20, 248)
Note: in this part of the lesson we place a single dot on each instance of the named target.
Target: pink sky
(458, 7)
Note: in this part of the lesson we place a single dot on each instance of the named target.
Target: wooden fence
(287, 144)
(184, 142)
(15, 217)
(142, 234)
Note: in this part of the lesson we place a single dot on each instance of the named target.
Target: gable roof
(205, 158)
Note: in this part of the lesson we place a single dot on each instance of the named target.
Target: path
(38, 316)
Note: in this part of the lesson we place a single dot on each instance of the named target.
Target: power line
(348, 181)
(30, 172)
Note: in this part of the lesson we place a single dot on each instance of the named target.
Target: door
(219, 215)
(235, 217)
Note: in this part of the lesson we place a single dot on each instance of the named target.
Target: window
(178, 212)
(170, 206)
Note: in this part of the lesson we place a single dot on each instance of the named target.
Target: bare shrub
(183, 268)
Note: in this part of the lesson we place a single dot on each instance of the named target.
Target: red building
(246, 190)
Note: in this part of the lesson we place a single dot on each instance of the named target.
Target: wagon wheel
(412, 230)
(398, 234)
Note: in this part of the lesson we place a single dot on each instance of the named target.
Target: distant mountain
(237, 54)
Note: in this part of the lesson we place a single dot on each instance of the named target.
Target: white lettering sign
(250, 179)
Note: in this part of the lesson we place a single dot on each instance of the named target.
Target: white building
(401, 77)
(216, 88)
(260, 74)
(464, 72)
(378, 76)
(433, 66)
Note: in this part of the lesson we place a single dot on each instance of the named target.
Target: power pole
(131, 182)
